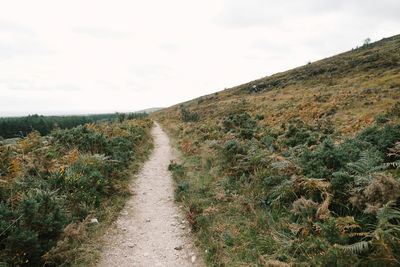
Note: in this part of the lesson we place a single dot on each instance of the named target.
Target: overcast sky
(68, 57)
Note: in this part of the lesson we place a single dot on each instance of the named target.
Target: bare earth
(151, 231)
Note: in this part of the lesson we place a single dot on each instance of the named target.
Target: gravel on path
(151, 230)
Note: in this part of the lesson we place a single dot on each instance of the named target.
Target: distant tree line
(21, 126)
(130, 116)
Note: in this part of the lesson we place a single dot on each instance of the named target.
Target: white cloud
(97, 55)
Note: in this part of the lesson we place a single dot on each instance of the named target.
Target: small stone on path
(131, 245)
(193, 258)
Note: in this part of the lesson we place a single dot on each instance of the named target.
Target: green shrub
(178, 171)
(182, 189)
(383, 138)
(381, 119)
(241, 124)
(268, 141)
(187, 116)
(295, 136)
(228, 124)
(232, 148)
(329, 158)
(242, 120)
(38, 222)
(246, 133)
(259, 117)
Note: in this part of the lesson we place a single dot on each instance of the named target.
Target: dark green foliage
(189, 116)
(324, 160)
(295, 136)
(350, 166)
(231, 149)
(182, 187)
(381, 138)
(381, 118)
(268, 141)
(242, 120)
(279, 191)
(117, 148)
(341, 180)
(38, 222)
(241, 124)
(329, 158)
(259, 117)
(87, 140)
(228, 124)
(21, 126)
(130, 116)
(177, 170)
(246, 133)
(83, 185)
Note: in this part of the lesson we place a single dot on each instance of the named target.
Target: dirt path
(151, 231)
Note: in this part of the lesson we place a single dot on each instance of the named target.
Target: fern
(395, 164)
(356, 248)
(386, 214)
(368, 163)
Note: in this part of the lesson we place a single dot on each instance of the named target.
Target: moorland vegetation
(301, 168)
(59, 192)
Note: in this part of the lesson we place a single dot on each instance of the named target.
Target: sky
(80, 57)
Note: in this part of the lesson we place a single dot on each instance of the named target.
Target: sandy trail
(151, 231)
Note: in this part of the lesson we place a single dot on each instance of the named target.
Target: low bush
(51, 182)
(295, 136)
(240, 124)
(189, 116)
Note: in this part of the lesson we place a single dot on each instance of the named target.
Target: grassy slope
(335, 97)
(360, 84)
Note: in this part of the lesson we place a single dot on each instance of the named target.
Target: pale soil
(151, 230)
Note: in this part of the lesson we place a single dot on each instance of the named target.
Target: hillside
(354, 86)
(301, 167)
